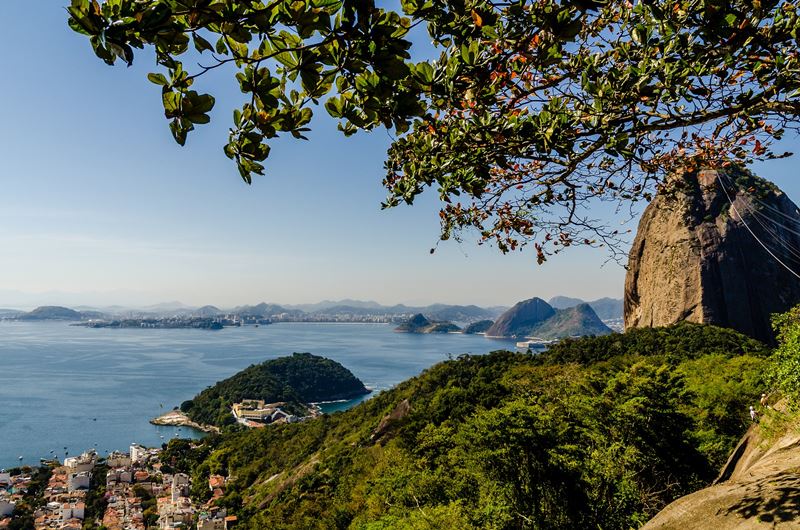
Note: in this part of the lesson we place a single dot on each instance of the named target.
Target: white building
(5, 478)
(79, 481)
(72, 510)
(137, 453)
(180, 486)
(82, 463)
(117, 459)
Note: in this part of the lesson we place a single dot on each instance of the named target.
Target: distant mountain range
(606, 308)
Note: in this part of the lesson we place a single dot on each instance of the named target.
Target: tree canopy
(533, 110)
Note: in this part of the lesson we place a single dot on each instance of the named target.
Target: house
(137, 453)
(117, 459)
(180, 486)
(79, 481)
(73, 510)
(216, 481)
(82, 463)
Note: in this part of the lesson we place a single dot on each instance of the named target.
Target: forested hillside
(598, 433)
(297, 379)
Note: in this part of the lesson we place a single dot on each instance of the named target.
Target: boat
(534, 344)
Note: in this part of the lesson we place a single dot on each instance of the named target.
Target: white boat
(533, 344)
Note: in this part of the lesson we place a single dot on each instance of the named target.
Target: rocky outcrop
(694, 257)
(536, 318)
(390, 421)
(521, 318)
(759, 488)
(419, 324)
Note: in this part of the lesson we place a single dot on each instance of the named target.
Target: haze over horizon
(131, 300)
(101, 207)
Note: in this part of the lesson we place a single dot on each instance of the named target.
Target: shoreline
(176, 418)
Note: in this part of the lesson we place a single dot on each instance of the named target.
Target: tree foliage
(504, 441)
(533, 110)
(785, 375)
(296, 379)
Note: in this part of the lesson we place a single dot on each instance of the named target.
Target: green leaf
(158, 79)
(201, 44)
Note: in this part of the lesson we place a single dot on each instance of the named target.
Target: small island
(286, 385)
(419, 324)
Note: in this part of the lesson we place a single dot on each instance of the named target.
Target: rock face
(524, 315)
(694, 257)
(759, 489)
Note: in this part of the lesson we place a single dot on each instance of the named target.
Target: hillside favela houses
(125, 491)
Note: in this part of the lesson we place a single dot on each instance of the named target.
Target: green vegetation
(579, 320)
(297, 379)
(23, 513)
(785, 376)
(527, 111)
(597, 433)
(419, 324)
(149, 506)
(480, 326)
(96, 501)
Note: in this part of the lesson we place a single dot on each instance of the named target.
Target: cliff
(694, 257)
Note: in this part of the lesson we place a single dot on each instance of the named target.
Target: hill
(574, 321)
(419, 324)
(207, 311)
(505, 440)
(535, 317)
(297, 379)
(51, 313)
(265, 310)
(481, 326)
(606, 308)
(563, 302)
(521, 318)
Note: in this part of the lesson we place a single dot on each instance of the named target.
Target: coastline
(177, 418)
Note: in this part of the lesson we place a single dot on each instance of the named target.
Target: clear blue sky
(100, 206)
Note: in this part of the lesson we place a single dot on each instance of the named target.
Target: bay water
(65, 389)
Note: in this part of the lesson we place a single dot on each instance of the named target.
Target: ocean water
(65, 389)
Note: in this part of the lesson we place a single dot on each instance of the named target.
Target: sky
(99, 206)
